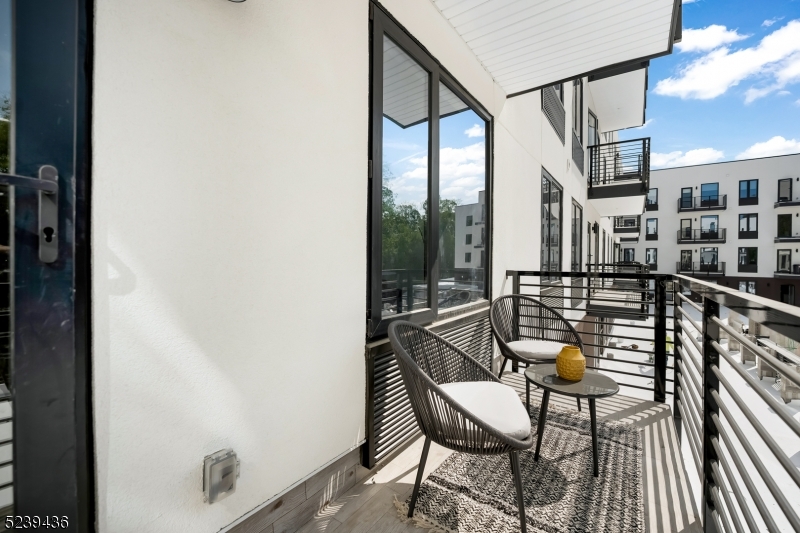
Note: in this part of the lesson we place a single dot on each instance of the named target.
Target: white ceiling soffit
(619, 101)
(405, 89)
(529, 44)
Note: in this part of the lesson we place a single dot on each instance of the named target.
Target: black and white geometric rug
(476, 494)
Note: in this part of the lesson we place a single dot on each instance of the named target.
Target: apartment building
(736, 223)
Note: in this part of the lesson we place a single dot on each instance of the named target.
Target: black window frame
(385, 24)
(748, 233)
(624, 255)
(749, 199)
(791, 191)
(683, 198)
(468, 257)
(778, 260)
(648, 205)
(778, 226)
(553, 182)
(704, 198)
(652, 264)
(787, 294)
(577, 235)
(650, 236)
(468, 239)
(596, 140)
(579, 132)
(748, 265)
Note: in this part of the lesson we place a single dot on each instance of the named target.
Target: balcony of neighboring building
(709, 202)
(700, 269)
(689, 236)
(628, 225)
(619, 177)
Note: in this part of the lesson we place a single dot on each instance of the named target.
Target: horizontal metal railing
(627, 224)
(688, 235)
(619, 162)
(696, 269)
(638, 355)
(698, 203)
(740, 436)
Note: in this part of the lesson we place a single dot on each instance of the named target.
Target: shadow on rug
(472, 493)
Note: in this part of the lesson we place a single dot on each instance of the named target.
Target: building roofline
(725, 162)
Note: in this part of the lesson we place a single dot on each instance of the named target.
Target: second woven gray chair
(458, 403)
(530, 332)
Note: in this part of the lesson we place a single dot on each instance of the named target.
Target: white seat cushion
(494, 403)
(536, 350)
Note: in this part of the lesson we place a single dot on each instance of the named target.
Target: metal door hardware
(47, 187)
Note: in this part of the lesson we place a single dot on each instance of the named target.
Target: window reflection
(405, 182)
(462, 201)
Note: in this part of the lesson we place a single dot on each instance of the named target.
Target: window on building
(709, 259)
(469, 239)
(594, 130)
(628, 255)
(651, 203)
(787, 294)
(784, 261)
(686, 229)
(686, 198)
(709, 192)
(784, 226)
(577, 109)
(785, 190)
(686, 260)
(468, 257)
(748, 226)
(577, 233)
(748, 259)
(483, 236)
(743, 286)
(709, 227)
(551, 223)
(403, 229)
(652, 229)
(559, 88)
(651, 256)
(748, 192)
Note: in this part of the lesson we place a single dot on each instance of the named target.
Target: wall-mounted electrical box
(220, 471)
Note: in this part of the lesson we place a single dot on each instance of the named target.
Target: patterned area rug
(471, 493)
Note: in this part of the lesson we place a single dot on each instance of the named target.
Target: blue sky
(462, 168)
(731, 89)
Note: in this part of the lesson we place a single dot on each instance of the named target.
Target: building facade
(736, 223)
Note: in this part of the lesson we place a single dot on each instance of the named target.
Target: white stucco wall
(230, 204)
(230, 146)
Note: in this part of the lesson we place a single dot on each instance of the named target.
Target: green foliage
(404, 232)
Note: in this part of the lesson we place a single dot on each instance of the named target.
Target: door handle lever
(47, 187)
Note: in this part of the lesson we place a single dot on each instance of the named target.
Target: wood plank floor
(669, 506)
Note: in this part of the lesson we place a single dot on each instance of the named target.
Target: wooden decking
(669, 506)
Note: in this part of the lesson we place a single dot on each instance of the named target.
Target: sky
(462, 154)
(731, 89)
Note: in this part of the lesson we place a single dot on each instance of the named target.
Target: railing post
(660, 340)
(676, 358)
(516, 288)
(710, 383)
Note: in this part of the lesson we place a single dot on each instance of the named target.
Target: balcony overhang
(529, 44)
(620, 201)
(620, 100)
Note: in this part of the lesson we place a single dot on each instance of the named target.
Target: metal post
(660, 340)
(710, 383)
(516, 288)
(676, 342)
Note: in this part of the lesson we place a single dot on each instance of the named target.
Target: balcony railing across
(701, 235)
(700, 269)
(703, 203)
(628, 224)
(620, 162)
(691, 353)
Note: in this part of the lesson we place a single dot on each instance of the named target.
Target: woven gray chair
(530, 332)
(436, 373)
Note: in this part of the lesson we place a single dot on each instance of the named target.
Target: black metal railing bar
(619, 161)
(703, 202)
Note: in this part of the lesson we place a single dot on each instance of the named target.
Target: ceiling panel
(527, 44)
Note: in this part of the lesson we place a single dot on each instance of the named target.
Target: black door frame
(51, 125)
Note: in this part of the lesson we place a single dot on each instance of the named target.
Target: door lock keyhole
(48, 234)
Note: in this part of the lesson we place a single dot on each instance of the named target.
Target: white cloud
(708, 38)
(775, 146)
(462, 174)
(783, 93)
(775, 62)
(769, 22)
(689, 1)
(646, 123)
(677, 158)
(475, 131)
